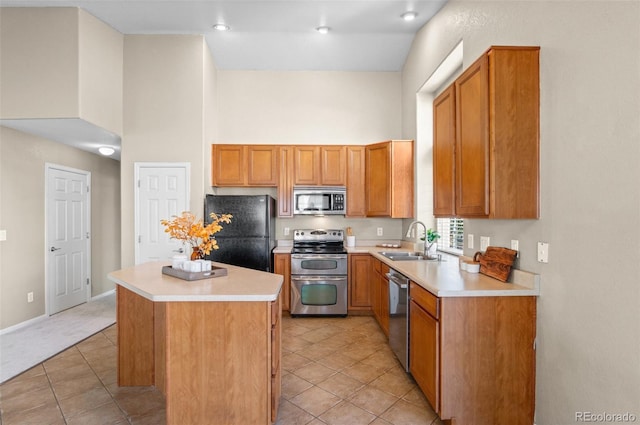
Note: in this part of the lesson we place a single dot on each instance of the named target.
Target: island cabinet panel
(136, 361)
(356, 194)
(497, 109)
(389, 179)
(360, 288)
(282, 265)
(219, 362)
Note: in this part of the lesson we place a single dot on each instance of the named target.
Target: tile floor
(336, 371)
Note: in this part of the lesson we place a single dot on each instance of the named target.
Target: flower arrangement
(188, 229)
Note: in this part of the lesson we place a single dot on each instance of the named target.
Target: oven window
(319, 264)
(319, 294)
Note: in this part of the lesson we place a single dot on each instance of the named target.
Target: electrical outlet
(543, 252)
(485, 241)
(3, 235)
(29, 297)
(286, 231)
(470, 243)
(380, 231)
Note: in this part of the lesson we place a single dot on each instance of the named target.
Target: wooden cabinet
(187, 349)
(444, 143)
(474, 357)
(319, 166)
(380, 294)
(497, 109)
(389, 179)
(285, 182)
(360, 288)
(424, 342)
(282, 265)
(356, 197)
(244, 165)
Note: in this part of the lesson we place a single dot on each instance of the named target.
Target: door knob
(53, 248)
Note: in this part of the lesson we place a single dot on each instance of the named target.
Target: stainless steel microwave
(319, 200)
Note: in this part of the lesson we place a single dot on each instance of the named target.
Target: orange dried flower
(188, 228)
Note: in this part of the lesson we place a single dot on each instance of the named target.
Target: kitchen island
(212, 346)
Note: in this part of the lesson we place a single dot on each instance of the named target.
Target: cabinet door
(359, 282)
(262, 165)
(384, 298)
(285, 185)
(444, 142)
(378, 179)
(228, 165)
(472, 144)
(282, 265)
(332, 165)
(306, 165)
(355, 181)
(424, 352)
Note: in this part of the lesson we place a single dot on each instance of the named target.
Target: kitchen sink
(403, 256)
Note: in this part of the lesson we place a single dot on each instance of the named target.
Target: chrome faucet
(426, 254)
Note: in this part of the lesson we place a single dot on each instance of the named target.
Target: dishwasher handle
(399, 280)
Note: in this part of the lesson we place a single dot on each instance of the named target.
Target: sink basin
(403, 256)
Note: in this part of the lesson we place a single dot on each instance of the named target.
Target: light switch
(3, 235)
(543, 252)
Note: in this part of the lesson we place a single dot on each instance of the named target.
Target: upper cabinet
(356, 195)
(389, 179)
(497, 104)
(244, 165)
(319, 165)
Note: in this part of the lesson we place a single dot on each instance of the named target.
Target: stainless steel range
(318, 273)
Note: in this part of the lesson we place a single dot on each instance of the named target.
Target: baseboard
(44, 316)
(104, 294)
(23, 324)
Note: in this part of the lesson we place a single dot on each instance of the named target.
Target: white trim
(104, 294)
(24, 324)
(137, 166)
(48, 166)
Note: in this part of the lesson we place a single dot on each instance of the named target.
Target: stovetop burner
(318, 241)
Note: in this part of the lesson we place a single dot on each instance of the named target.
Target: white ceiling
(365, 35)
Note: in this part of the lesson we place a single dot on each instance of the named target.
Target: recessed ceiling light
(106, 150)
(323, 30)
(409, 16)
(221, 27)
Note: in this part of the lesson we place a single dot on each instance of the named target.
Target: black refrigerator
(249, 239)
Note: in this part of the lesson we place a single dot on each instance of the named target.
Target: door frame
(48, 166)
(137, 166)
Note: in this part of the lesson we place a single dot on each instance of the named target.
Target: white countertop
(445, 279)
(240, 284)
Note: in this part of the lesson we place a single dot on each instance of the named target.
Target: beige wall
(60, 63)
(308, 107)
(163, 115)
(22, 196)
(588, 327)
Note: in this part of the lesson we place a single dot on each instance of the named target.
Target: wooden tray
(185, 275)
(496, 262)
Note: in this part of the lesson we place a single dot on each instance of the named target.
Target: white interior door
(162, 191)
(68, 246)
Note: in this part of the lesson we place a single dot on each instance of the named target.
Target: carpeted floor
(24, 348)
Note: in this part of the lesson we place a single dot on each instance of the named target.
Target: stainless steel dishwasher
(398, 316)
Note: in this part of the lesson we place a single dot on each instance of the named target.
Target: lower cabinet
(380, 294)
(282, 265)
(360, 288)
(474, 357)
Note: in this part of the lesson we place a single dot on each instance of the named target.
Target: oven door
(318, 295)
(319, 264)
